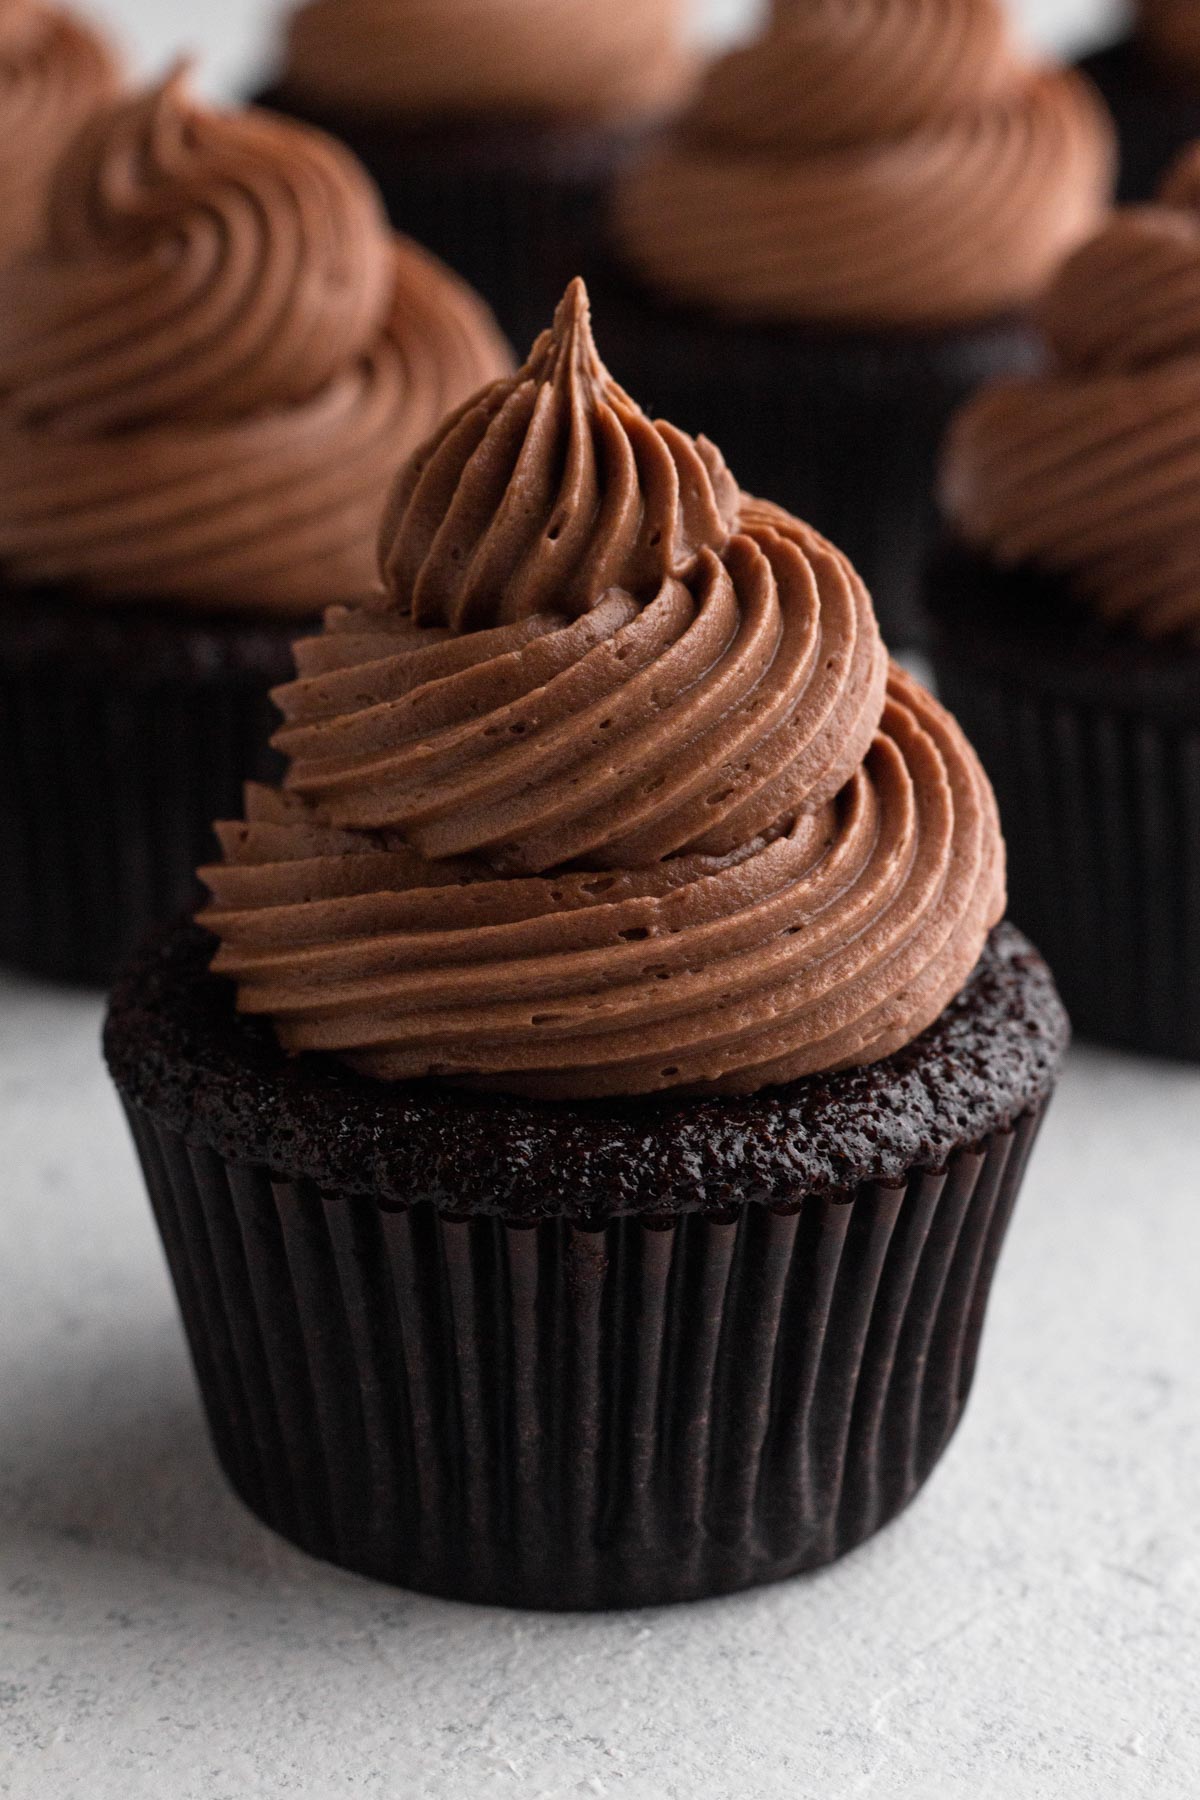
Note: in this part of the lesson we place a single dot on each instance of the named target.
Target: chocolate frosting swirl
(870, 162)
(548, 490)
(54, 71)
(1092, 469)
(210, 370)
(542, 59)
(667, 821)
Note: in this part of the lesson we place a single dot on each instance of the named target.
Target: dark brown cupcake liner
(512, 206)
(1156, 117)
(1092, 742)
(588, 1354)
(569, 1415)
(121, 739)
(842, 428)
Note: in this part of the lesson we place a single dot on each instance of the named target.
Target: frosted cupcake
(1068, 622)
(492, 126)
(54, 72)
(1151, 81)
(208, 371)
(838, 241)
(593, 1196)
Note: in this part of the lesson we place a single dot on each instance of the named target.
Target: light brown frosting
(870, 162)
(210, 370)
(616, 793)
(1092, 470)
(54, 71)
(586, 59)
(1171, 31)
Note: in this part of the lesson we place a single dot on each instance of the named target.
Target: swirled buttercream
(869, 162)
(1092, 470)
(54, 71)
(570, 59)
(548, 490)
(210, 370)
(683, 830)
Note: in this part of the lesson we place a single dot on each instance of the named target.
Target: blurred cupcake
(1151, 81)
(837, 243)
(1068, 623)
(492, 126)
(207, 374)
(594, 1195)
(54, 72)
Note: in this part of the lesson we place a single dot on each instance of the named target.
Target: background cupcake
(492, 126)
(1151, 81)
(595, 1196)
(835, 245)
(207, 373)
(54, 71)
(1068, 623)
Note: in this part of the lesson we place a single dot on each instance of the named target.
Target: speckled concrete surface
(1029, 1631)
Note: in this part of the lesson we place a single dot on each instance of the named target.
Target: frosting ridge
(209, 371)
(548, 490)
(500, 58)
(54, 71)
(687, 831)
(1092, 469)
(877, 162)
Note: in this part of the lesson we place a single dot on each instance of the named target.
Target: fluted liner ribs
(546, 1414)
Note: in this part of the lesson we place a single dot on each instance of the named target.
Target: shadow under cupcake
(584, 1164)
(208, 371)
(837, 243)
(1067, 623)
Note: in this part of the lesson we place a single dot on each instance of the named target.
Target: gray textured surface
(1030, 1630)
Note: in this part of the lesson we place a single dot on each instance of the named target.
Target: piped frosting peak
(212, 364)
(645, 812)
(548, 490)
(877, 162)
(874, 70)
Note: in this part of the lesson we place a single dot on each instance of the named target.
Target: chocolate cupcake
(492, 126)
(207, 375)
(593, 1195)
(1151, 81)
(838, 242)
(1068, 623)
(54, 72)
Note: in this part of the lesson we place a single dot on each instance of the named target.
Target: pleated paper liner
(555, 1416)
(122, 737)
(843, 428)
(512, 206)
(1157, 116)
(1092, 742)
(586, 1355)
